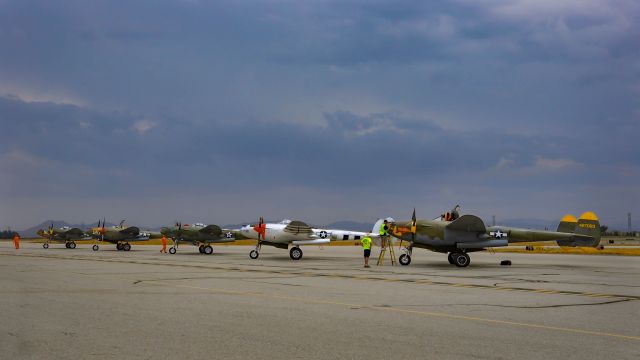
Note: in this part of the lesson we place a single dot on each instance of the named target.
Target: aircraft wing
(468, 223)
(298, 227)
(211, 230)
(75, 233)
(131, 230)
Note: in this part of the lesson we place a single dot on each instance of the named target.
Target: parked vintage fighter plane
(295, 233)
(64, 234)
(197, 234)
(120, 235)
(468, 233)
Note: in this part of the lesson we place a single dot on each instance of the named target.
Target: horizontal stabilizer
(468, 223)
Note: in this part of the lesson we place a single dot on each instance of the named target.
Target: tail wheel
(295, 253)
(405, 259)
(45, 245)
(254, 254)
(95, 247)
(72, 245)
(126, 247)
(207, 250)
(461, 260)
(172, 250)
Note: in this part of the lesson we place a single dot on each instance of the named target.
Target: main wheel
(450, 258)
(201, 249)
(66, 245)
(119, 246)
(95, 247)
(295, 253)
(254, 254)
(126, 247)
(72, 245)
(208, 250)
(172, 250)
(461, 260)
(405, 259)
(45, 245)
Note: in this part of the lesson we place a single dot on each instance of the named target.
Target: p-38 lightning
(198, 234)
(295, 233)
(120, 235)
(64, 234)
(460, 235)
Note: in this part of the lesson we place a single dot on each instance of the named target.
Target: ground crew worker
(16, 241)
(366, 246)
(164, 244)
(384, 233)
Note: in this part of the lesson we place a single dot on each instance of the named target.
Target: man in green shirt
(384, 233)
(366, 246)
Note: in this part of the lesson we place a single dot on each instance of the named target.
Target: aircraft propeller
(261, 229)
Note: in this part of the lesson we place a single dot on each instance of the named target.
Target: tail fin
(586, 228)
(567, 224)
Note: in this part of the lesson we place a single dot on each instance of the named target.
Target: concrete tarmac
(60, 303)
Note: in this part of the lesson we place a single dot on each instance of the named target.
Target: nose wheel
(295, 253)
(255, 253)
(172, 250)
(95, 247)
(45, 246)
(405, 259)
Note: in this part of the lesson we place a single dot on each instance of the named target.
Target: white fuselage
(275, 233)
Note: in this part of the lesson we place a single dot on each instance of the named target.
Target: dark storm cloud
(476, 101)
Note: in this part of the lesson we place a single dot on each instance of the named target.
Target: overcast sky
(222, 112)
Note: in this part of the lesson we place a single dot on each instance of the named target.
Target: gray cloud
(151, 105)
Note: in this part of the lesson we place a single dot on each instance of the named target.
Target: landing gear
(172, 250)
(460, 259)
(72, 245)
(45, 246)
(95, 247)
(295, 253)
(201, 249)
(126, 247)
(405, 259)
(255, 253)
(207, 250)
(66, 245)
(119, 246)
(450, 258)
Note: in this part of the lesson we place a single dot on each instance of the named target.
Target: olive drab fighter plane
(294, 233)
(197, 234)
(64, 234)
(468, 233)
(119, 235)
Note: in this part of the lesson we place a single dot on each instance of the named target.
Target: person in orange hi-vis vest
(16, 241)
(164, 245)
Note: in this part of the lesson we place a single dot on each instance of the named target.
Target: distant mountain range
(342, 225)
